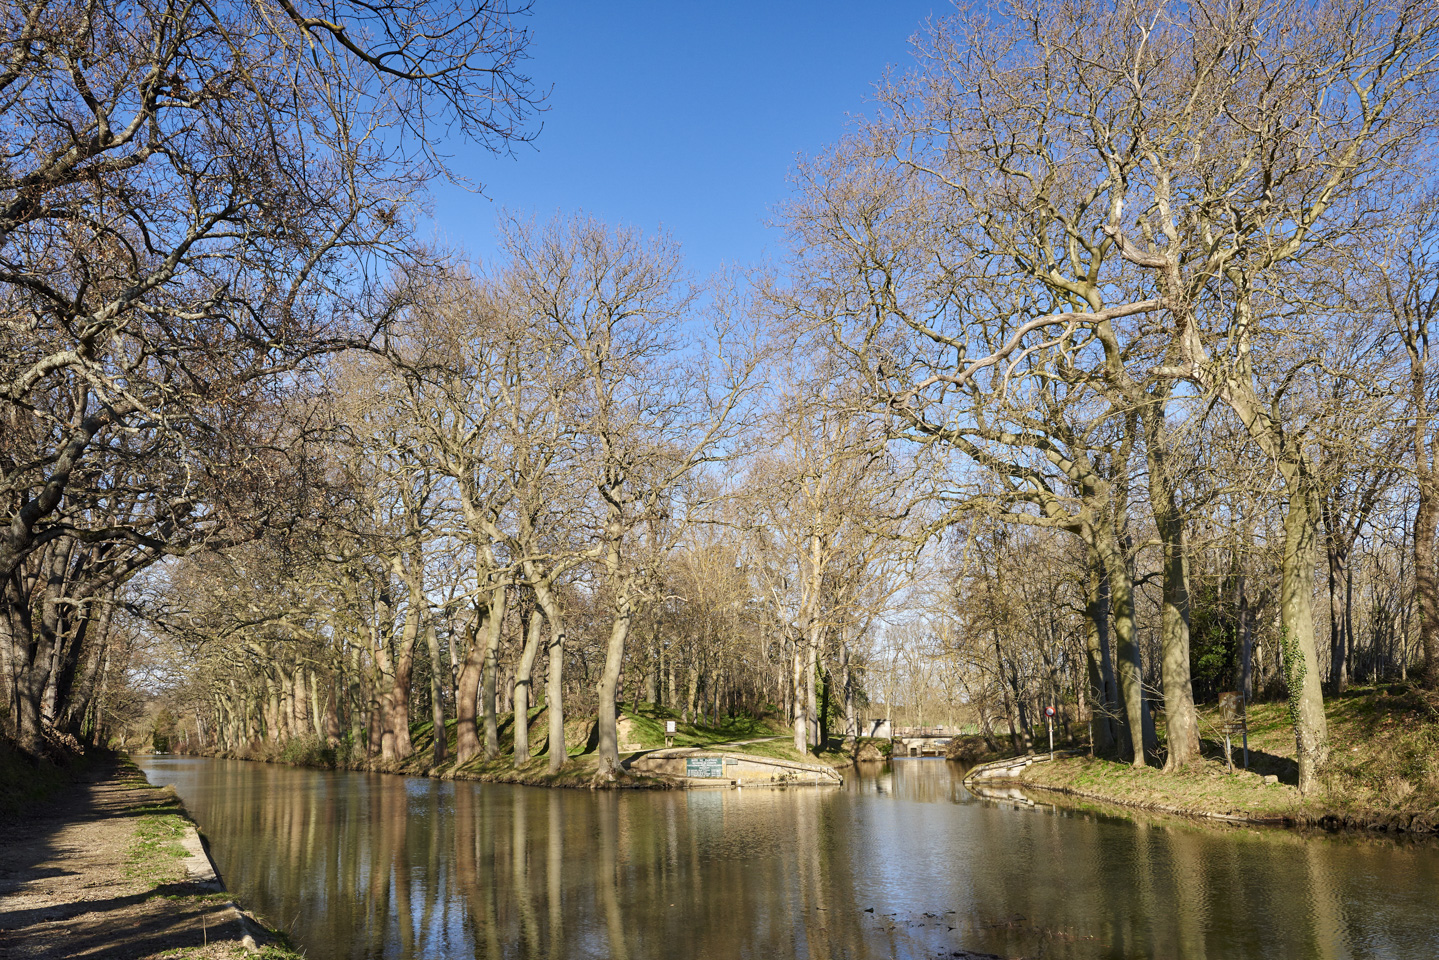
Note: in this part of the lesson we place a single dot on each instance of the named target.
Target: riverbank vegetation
(1383, 775)
(1100, 349)
(640, 732)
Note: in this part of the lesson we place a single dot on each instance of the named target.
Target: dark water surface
(360, 865)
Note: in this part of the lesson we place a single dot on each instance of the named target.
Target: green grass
(1383, 769)
(156, 849)
(271, 951)
(647, 728)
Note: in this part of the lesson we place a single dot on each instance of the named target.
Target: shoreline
(749, 742)
(1191, 795)
(576, 774)
(1121, 806)
(1382, 775)
(1299, 817)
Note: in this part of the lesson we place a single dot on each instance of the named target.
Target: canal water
(901, 861)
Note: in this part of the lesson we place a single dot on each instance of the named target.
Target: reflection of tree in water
(376, 866)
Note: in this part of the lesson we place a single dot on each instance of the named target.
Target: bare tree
(196, 202)
(1126, 190)
(646, 409)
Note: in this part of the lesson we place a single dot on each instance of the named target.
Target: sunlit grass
(1383, 766)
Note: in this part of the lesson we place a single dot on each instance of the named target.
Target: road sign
(1049, 711)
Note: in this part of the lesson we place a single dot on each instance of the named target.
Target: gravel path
(72, 886)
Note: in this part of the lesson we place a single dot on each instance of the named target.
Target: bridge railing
(924, 732)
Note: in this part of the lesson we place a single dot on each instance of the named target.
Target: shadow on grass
(1260, 762)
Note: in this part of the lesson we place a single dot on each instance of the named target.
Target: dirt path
(100, 872)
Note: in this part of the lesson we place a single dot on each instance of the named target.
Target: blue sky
(682, 115)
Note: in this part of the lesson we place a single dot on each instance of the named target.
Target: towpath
(109, 870)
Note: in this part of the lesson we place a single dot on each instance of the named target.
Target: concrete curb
(198, 865)
(200, 870)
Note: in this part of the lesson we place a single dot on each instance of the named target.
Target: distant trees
(526, 461)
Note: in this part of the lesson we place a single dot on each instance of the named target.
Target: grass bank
(1383, 772)
(641, 727)
(26, 782)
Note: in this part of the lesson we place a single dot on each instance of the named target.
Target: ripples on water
(900, 862)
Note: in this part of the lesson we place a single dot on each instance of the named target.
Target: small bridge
(920, 742)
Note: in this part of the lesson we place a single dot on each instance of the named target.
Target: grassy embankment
(25, 783)
(642, 728)
(1383, 773)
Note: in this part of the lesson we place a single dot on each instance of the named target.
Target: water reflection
(901, 862)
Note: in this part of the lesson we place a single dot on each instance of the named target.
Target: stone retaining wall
(738, 769)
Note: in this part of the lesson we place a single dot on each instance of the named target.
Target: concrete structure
(920, 745)
(1014, 767)
(718, 768)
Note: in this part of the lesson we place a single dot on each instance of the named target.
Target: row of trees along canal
(1100, 345)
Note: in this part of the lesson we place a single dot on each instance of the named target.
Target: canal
(899, 862)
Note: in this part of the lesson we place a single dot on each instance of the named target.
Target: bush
(307, 751)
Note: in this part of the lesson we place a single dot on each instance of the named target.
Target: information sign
(1231, 708)
(669, 727)
(704, 766)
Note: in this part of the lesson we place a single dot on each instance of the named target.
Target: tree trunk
(534, 636)
(669, 671)
(1297, 645)
(555, 698)
(76, 702)
(437, 696)
(467, 734)
(810, 673)
(1339, 637)
(493, 631)
(1181, 719)
(608, 753)
(1096, 650)
(692, 689)
(851, 726)
(1131, 682)
(801, 718)
(555, 677)
(824, 703)
(1426, 579)
(657, 666)
(22, 660)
